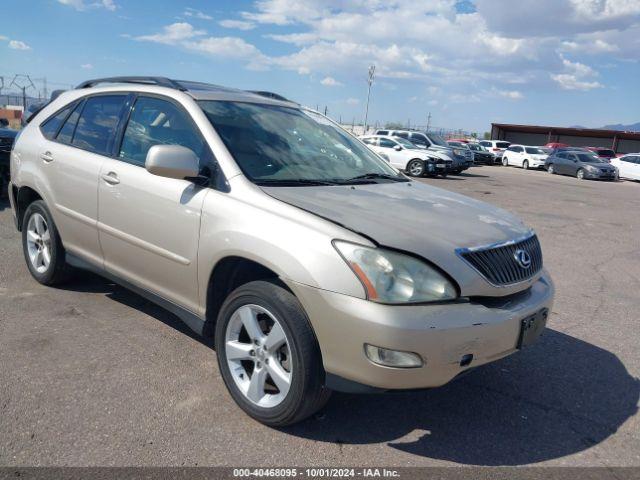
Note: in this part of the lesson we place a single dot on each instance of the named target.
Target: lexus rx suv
(314, 264)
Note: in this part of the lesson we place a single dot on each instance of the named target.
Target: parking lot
(94, 375)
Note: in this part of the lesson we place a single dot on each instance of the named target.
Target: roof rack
(159, 81)
(272, 95)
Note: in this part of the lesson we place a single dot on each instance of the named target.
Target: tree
(487, 135)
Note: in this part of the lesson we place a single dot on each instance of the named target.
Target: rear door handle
(47, 157)
(111, 178)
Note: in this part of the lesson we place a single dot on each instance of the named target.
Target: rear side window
(502, 144)
(155, 121)
(66, 133)
(401, 134)
(51, 126)
(382, 132)
(98, 122)
(385, 142)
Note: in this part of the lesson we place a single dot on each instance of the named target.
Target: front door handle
(111, 178)
(47, 157)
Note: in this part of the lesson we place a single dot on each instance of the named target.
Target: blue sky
(469, 63)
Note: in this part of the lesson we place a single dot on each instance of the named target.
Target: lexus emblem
(522, 258)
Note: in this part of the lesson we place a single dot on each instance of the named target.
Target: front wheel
(42, 246)
(525, 164)
(416, 168)
(268, 354)
(580, 174)
(551, 169)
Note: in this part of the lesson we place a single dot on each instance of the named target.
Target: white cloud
(192, 12)
(18, 45)
(237, 24)
(2, 38)
(510, 94)
(86, 66)
(330, 82)
(569, 81)
(82, 5)
(173, 34)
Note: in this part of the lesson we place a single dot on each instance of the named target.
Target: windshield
(437, 139)
(476, 148)
(290, 146)
(606, 153)
(405, 143)
(588, 158)
(502, 144)
(534, 151)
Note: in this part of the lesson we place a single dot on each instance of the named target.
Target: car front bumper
(442, 334)
(599, 175)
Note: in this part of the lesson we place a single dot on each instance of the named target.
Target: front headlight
(592, 169)
(391, 277)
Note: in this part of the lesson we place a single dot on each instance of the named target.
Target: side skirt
(193, 321)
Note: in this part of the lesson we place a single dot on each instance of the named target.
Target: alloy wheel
(580, 174)
(525, 165)
(258, 355)
(416, 168)
(551, 170)
(39, 243)
(505, 161)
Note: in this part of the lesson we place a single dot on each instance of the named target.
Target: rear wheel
(525, 164)
(268, 354)
(505, 161)
(416, 168)
(580, 174)
(43, 250)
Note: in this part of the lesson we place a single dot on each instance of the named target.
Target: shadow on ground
(555, 398)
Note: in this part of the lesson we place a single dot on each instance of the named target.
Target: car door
(78, 139)
(396, 157)
(572, 164)
(149, 225)
(632, 167)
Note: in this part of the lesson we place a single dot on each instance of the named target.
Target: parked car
(525, 156)
(462, 159)
(628, 166)
(460, 140)
(555, 145)
(7, 137)
(481, 154)
(404, 155)
(605, 154)
(581, 165)
(316, 263)
(497, 147)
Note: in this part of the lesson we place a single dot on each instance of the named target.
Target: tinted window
(385, 142)
(561, 155)
(502, 144)
(382, 132)
(98, 121)
(485, 144)
(158, 122)
(418, 139)
(66, 133)
(401, 134)
(534, 150)
(51, 126)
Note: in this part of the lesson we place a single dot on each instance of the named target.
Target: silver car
(315, 264)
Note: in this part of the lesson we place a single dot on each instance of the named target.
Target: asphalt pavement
(91, 374)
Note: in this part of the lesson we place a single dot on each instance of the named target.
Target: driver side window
(155, 121)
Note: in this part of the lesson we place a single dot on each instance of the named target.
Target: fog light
(392, 358)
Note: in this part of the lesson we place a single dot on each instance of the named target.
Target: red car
(556, 145)
(461, 140)
(604, 153)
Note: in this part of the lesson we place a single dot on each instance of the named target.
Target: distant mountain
(634, 127)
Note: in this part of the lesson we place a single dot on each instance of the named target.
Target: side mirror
(172, 161)
(397, 148)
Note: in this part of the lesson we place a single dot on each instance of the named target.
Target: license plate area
(531, 327)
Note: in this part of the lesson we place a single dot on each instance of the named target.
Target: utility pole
(325, 110)
(22, 82)
(372, 73)
(428, 121)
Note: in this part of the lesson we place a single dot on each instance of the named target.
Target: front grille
(499, 264)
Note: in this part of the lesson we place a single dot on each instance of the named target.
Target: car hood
(412, 217)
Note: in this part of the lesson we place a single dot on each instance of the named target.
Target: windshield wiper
(273, 182)
(376, 176)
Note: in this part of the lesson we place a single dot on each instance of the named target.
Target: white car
(497, 147)
(524, 156)
(406, 156)
(628, 166)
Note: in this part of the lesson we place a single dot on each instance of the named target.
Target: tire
(525, 164)
(551, 169)
(415, 168)
(295, 359)
(505, 162)
(580, 174)
(457, 171)
(41, 241)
